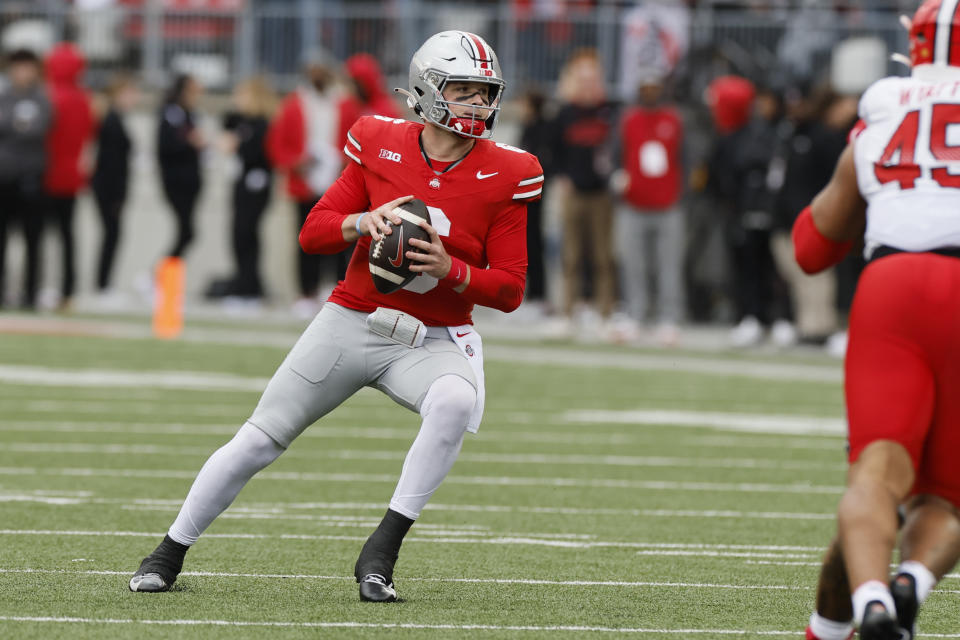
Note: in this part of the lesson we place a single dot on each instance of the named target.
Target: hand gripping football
(389, 265)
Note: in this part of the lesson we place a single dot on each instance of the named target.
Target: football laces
(378, 247)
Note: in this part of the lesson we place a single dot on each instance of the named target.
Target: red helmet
(935, 33)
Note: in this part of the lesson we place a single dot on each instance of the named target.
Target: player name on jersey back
(908, 163)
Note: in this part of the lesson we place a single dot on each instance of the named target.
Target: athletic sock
(924, 579)
(825, 629)
(870, 591)
(382, 548)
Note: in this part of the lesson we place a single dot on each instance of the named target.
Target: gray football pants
(336, 356)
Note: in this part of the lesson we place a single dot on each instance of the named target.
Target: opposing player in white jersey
(476, 192)
(898, 185)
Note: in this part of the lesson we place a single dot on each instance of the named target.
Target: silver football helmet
(455, 56)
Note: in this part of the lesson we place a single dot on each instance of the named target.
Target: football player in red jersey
(417, 345)
(897, 185)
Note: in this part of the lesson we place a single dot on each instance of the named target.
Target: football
(389, 265)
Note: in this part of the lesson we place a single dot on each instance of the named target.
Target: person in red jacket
(370, 87)
(650, 224)
(73, 127)
(304, 142)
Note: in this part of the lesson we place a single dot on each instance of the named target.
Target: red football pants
(903, 365)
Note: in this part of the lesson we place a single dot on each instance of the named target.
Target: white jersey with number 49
(908, 163)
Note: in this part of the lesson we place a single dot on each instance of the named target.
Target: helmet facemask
(476, 121)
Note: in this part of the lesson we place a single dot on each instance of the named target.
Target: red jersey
(652, 141)
(478, 207)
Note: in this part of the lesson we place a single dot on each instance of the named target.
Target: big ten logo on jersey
(393, 120)
(390, 155)
(439, 221)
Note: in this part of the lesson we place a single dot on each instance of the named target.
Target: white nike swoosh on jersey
(484, 176)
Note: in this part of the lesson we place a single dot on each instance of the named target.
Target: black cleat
(160, 569)
(903, 587)
(374, 572)
(375, 588)
(880, 624)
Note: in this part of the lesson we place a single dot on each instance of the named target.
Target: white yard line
(497, 481)
(58, 498)
(333, 427)
(494, 539)
(49, 376)
(560, 583)
(411, 625)
(746, 422)
(469, 457)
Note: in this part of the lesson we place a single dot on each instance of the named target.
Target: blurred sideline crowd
(637, 214)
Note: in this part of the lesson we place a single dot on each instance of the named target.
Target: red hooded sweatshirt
(365, 71)
(73, 123)
(731, 102)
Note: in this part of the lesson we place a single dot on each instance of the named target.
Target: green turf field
(610, 492)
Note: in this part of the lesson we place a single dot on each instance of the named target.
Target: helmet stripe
(942, 40)
(482, 55)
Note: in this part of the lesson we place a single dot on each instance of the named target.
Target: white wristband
(357, 225)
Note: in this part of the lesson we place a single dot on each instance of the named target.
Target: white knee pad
(452, 397)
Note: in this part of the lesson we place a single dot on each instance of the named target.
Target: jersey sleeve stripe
(349, 154)
(527, 194)
(524, 183)
(353, 141)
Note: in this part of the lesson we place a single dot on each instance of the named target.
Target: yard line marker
(59, 498)
(498, 481)
(486, 458)
(519, 581)
(745, 422)
(190, 380)
(412, 625)
(493, 538)
(332, 427)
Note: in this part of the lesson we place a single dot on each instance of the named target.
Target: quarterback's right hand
(374, 223)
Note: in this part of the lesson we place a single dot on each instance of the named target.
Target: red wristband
(457, 274)
(813, 250)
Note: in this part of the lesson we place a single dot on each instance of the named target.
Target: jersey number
(439, 221)
(903, 144)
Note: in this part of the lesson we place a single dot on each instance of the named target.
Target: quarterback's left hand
(431, 258)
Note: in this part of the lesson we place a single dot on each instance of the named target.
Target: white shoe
(747, 334)
(783, 334)
(667, 334)
(837, 344)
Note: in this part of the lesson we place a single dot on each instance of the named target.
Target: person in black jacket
(246, 131)
(111, 175)
(535, 138)
(25, 117)
(179, 143)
